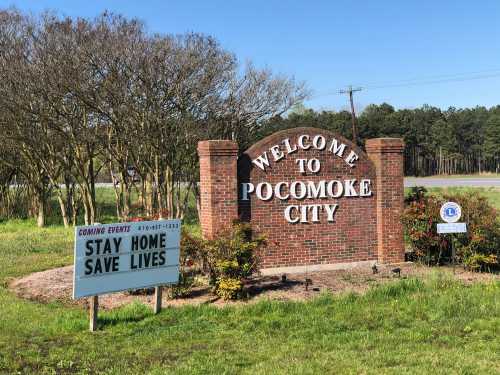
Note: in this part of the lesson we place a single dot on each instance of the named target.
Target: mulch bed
(57, 285)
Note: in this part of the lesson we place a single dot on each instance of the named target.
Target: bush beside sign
(122, 256)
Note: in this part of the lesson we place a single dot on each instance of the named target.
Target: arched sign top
(285, 143)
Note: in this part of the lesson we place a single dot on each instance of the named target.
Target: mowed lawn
(433, 326)
(492, 193)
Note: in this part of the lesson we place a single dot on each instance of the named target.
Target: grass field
(436, 326)
(491, 193)
(472, 176)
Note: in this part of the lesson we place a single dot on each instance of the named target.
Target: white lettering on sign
(351, 158)
(302, 145)
(309, 213)
(288, 213)
(305, 142)
(364, 188)
(349, 190)
(277, 153)
(301, 190)
(268, 191)
(262, 161)
(337, 149)
(316, 190)
(289, 149)
(301, 163)
(115, 257)
(319, 142)
(284, 190)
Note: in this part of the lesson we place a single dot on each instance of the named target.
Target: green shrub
(477, 249)
(190, 259)
(229, 288)
(227, 260)
(481, 262)
(185, 285)
(420, 218)
(193, 251)
(231, 258)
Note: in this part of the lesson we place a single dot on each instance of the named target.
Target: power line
(459, 77)
(429, 82)
(439, 77)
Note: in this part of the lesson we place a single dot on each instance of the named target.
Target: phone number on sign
(158, 226)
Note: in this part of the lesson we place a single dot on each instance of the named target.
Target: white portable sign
(121, 256)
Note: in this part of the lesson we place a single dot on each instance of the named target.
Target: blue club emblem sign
(450, 212)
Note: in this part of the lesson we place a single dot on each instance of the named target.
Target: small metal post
(157, 302)
(453, 253)
(93, 311)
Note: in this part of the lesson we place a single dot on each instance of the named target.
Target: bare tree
(82, 95)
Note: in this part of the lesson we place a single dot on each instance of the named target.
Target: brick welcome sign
(319, 200)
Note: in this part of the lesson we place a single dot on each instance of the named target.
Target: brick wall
(387, 157)
(360, 229)
(218, 185)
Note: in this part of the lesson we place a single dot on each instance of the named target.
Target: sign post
(93, 310)
(451, 213)
(122, 256)
(158, 295)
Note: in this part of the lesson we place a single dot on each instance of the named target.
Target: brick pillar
(387, 155)
(218, 185)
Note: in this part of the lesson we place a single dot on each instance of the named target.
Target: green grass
(434, 326)
(471, 176)
(491, 193)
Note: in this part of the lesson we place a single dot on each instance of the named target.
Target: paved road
(447, 182)
(416, 181)
(428, 182)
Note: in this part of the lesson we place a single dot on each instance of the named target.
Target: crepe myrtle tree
(74, 86)
(22, 109)
(16, 197)
(175, 91)
(80, 95)
(250, 98)
(185, 74)
(44, 122)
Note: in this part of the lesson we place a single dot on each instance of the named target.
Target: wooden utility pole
(349, 91)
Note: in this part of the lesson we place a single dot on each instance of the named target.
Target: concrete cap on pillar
(384, 145)
(217, 147)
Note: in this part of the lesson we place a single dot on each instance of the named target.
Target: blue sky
(330, 44)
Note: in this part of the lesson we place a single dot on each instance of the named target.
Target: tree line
(81, 98)
(452, 141)
(86, 98)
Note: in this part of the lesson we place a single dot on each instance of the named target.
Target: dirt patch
(57, 285)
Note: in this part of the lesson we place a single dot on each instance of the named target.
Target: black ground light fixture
(308, 282)
(397, 271)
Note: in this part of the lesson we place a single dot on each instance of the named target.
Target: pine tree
(492, 141)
